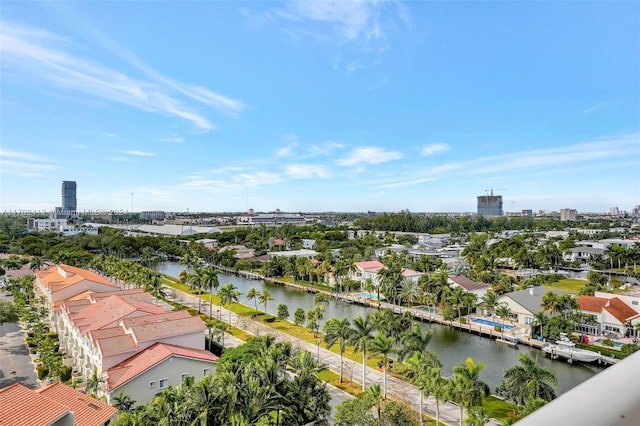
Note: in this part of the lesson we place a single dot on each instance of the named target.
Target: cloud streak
(46, 55)
(137, 153)
(434, 149)
(370, 155)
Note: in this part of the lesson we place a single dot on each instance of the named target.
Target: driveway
(15, 361)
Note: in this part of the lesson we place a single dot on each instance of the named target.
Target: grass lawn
(499, 409)
(568, 285)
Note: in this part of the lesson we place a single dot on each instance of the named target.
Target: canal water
(452, 346)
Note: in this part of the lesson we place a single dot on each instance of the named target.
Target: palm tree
(527, 381)
(539, 319)
(373, 392)
(490, 302)
(209, 279)
(469, 302)
(413, 342)
(123, 402)
(264, 297)
(252, 294)
(551, 302)
(410, 291)
(155, 287)
(361, 339)
(419, 368)
(37, 263)
(336, 331)
(456, 299)
(503, 312)
(383, 346)
(466, 387)
(229, 294)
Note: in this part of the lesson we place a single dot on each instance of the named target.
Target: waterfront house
(469, 286)
(525, 304)
(610, 314)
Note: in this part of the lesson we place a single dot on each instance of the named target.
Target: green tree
(299, 317)
(229, 294)
(283, 311)
(264, 297)
(252, 294)
(336, 331)
(419, 368)
(383, 346)
(527, 381)
(209, 279)
(8, 312)
(466, 388)
(123, 402)
(361, 339)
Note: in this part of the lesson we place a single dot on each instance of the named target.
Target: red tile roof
(369, 264)
(154, 355)
(591, 303)
(20, 406)
(60, 276)
(620, 310)
(87, 411)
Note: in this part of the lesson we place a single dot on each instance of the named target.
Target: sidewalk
(396, 388)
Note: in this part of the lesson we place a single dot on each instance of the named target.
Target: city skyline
(320, 106)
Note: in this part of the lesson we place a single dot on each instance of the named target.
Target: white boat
(567, 349)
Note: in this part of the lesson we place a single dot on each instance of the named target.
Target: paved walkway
(396, 388)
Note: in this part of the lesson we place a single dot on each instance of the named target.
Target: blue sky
(320, 106)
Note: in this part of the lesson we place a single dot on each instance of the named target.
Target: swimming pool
(428, 309)
(615, 344)
(366, 295)
(492, 323)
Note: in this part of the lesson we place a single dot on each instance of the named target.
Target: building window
(152, 384)
(183, 377)
(528, 320)
(634, 302)
(205, 372)
(164, 383)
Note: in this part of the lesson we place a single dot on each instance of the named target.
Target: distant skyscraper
(69, 202)
(567, 215)
(490, 205)
(614, 211)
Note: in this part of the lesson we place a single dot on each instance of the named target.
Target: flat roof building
(490, 205)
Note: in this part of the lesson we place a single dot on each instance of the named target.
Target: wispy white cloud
(434, 148)
(591, 109)
(137, 153)
(173, 140)
(232, 182)
(360, 24)
(306, 171)
(370, 155)
(22, 163)
(46, 55)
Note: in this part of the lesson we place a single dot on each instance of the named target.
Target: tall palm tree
(383, 346)
(551, 302)
(155, 287)
(527, 381)
(419, 368)
(228, 294)
(413, 341)
(373, 392)
(410, 291)
(336, 331)
(456, 299)
(361, 339)
(466, 387)
(469, 302)
(123, 402)
(504, 313)
(252, 294)
(490, 302)
(209, 279)
(264, 297)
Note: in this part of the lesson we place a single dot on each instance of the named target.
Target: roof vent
(92, 405)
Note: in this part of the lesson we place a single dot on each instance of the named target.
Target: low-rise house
(394, 248)
(293, 253)
(54, 405)
(242, 252)
(609, 315)
(583, 253)
(468, 285)
(525, 304)
(156, 368)
(308, 243)
(410, 274)
(367, 270)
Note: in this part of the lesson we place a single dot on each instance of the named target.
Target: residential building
(527, 213)
(242, 252)
(153, 215)
(367, 270)
(469, 286)
(46, 225)
(53, 405)
(610, 314)
(293, 253)
(308, 243)
(62, 282)
(568, 215)
(525, 304)
(275, 218)
(490, 205)
(156, 368)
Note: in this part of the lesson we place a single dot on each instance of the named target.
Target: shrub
(463, 320)
(65, 373)
(629, 348)
(497, 328)
(43, 371)
(608, 343)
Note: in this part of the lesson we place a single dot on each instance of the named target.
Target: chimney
(531, 291)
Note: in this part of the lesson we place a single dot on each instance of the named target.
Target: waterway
(452, 346)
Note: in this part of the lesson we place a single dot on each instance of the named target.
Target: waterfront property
(492, 323)
(525, 304)
(611, 315)
(469, 286)
(366, 295)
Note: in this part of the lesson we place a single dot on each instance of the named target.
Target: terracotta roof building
(55, 405)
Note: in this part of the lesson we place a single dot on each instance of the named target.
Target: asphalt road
(15, 362)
